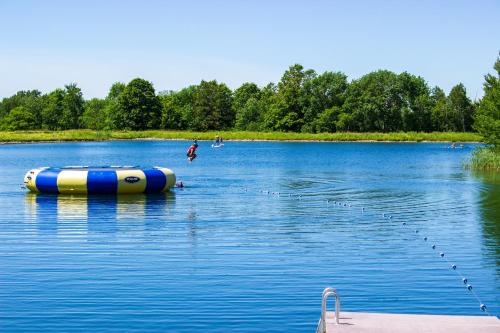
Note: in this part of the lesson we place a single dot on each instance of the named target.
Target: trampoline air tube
(99, 180)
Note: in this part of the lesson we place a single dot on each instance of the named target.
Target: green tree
(212, 107)
(416, 110)
(19, 118)
(63, 109)
(72, 107)
(243, 94)
(462, 109)
(276, 117)
(138, 107)
(301, 101)
(53, 110)
(323, 94)
(327, 120)
(267, 98)
(115, 91)
(287, 110)
(171, 117)
(177, 108)
(94, 116)
(246, 106)
(35, 107)
(488, 115)
(249, 117)
(18, 99)
(439, 109)
(31, 100)
(374, 102)
(111, 109)
(345, 122)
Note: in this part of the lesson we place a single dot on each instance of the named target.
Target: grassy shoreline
(89, 135)
(484, 159)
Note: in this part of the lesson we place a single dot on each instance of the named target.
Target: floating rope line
(455, 269)
(453, 266)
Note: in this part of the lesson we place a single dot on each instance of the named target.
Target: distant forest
(302, 101)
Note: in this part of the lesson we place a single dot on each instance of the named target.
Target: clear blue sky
(46, 44)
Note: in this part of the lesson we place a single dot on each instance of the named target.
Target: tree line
(302, 101)
(487, 120)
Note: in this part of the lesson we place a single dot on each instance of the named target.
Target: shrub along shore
(89, 135)
(485, 159)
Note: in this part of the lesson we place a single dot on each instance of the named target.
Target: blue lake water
(229, 254)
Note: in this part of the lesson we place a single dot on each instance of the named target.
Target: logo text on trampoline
(132, 179)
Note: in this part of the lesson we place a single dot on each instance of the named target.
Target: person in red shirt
(191, 152)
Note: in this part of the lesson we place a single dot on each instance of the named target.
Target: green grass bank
(485, 159)
(89, 135)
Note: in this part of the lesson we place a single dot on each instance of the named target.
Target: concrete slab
(402, 323)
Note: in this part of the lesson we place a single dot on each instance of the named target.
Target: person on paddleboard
(191, 152)
(218, 142)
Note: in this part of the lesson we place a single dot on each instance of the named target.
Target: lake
(251, 241)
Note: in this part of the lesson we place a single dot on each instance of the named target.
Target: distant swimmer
(191, 152)
(455, 146)
(179, 184)
(218, 142)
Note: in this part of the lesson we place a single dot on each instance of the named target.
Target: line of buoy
(454, 267)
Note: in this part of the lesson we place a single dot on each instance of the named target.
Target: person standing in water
(191, 152)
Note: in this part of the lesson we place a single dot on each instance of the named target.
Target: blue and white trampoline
(99, 180)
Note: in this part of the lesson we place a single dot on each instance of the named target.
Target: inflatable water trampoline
(99, 180)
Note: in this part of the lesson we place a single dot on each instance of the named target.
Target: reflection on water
(50, 209)
(490, 211)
